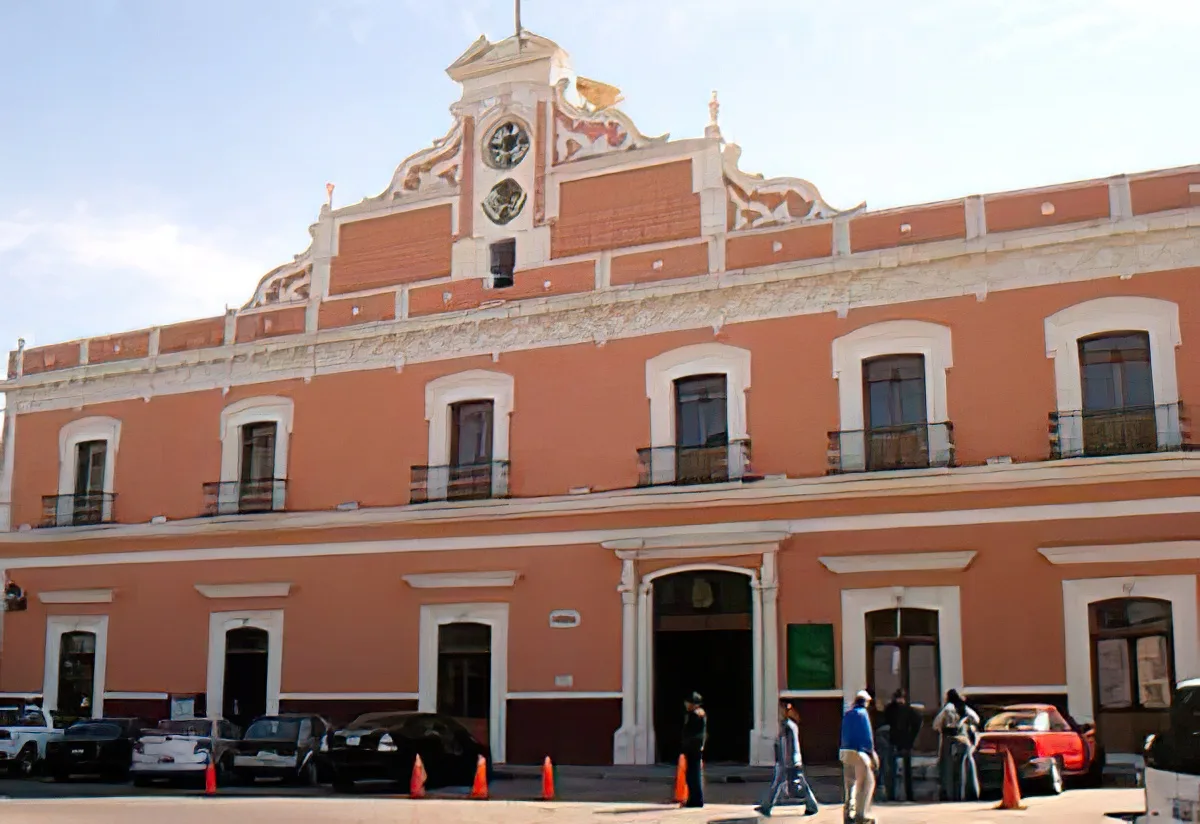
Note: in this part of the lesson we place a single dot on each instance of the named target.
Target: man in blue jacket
(858, 759)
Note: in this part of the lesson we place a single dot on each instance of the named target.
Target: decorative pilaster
(762, 750)
(625, 739)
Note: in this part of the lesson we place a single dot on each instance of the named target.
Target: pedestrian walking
(859, 760)
(695, 736)
(948, 723)
(966, 741)
(789, 779)
(904, 725)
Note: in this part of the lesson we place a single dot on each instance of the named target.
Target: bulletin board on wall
(810, 662)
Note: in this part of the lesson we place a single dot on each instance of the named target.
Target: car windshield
(378, 719)
(90, 729)
(274, 729)
(9, 716)
(191, 726)
(1018, 721)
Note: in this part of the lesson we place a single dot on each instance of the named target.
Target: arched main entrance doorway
(703, 642)
(245, 691)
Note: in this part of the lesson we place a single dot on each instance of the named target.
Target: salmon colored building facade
(571, 420)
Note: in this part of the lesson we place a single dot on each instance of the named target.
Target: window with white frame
(1114, 367)
(468, 414)
(87, 469)
(698, 430)
(254, 454)
(75, 663)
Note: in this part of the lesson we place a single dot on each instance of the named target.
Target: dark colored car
(1047, 746)
(281, 746)
(94, 746)
(382, 746)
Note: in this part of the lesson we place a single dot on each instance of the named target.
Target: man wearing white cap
(858, 759)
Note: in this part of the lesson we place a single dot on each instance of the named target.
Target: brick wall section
(385, 251)
(194, 334)
(371, 309)
(130, 346)
(651, 205)
(800, 243)
(1160, 194)
(566, 279)
(677, 262)
(273, 324)
(929, 223)
(50, 358)
(1008, 213)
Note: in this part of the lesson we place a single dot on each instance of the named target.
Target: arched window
(1118, 413)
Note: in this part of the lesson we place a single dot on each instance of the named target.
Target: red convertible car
(1047, 746)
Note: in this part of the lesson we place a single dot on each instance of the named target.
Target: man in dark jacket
(904, 723)
(695, 735)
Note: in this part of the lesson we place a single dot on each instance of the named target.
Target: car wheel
(1054, 779)
(27, 761)
(225, 774)
(308, 774)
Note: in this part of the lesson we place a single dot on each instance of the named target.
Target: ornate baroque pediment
(588, 132)
(289, 283)
(755, 201)
(438, 166)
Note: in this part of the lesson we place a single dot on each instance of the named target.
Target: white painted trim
(220, 623)
(1123, 553)
(30, 695)
(647, 546)
(56, 627)
(455, 580)
(349, 696)
(698, 359)
(253, 410)
(1022, 689)
(256, 590)
(892, 337)
(136, 696)
(1079, 593)
(856, 603)
(79, 431)
(542, 696)
(1158, 318)
(6, 473)
(472, 385)
(495, 616)
(76, 596)
(801, 694)
(898, 562)
(803, 526)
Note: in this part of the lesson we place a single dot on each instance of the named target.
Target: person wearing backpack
(950, 754)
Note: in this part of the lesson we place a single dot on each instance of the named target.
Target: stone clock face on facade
(504, 202)
(506, 146)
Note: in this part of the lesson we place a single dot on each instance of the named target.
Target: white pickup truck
(24, 732)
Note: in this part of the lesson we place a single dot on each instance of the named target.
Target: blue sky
(159, 156)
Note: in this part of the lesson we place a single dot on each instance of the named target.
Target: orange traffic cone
(681, 789)
(547, 780)
(210, 778)
(416, 786)
(1012, 788)
(479, 789)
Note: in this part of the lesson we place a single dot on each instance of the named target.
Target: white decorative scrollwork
(289, 283)
(580, 133)
(758, 201)
(438, 165)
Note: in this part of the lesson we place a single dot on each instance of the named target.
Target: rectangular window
(464, 670)
(76, 673)
(503, 255)
(701, 411)
(471, 433)
(895, 391)
(1116, 371)
(90, 457)
(258, 452)
(810, 657)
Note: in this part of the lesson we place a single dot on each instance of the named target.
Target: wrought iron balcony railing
(244, 497)
(1129, 431)
(77, 510)
(466, 482)
(667, 465)
(910, 446)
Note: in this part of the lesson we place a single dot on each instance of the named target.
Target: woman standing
(951, 750)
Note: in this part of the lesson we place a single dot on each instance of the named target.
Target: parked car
(1047, 746)
(25, 730)
(94, 746)
(383, 747)
(183, 749)
(281, 746)
(1173, 761)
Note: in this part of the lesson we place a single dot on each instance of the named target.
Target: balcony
(244, 497)
(77, 510)
(1130, 431)
(468, 482)
(910, 446)
(686, 465)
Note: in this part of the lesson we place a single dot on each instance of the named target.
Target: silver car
(183, 748)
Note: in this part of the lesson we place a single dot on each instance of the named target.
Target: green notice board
(810, 656)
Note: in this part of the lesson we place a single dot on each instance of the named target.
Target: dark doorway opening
(245, 696)
(1133, 670)
(464, 688)
(703, 642)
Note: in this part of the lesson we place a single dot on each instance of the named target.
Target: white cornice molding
(461, 580)
(898, 562)
(1015, 260)
(695, 545)
(135, 696)
(1022, 689)
(1122, 553)
(76, 596)
(257, 590)
(348, 696)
